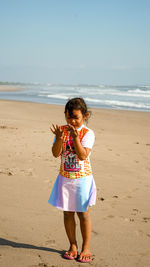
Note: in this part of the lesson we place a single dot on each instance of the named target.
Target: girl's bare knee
(84, 216)
(68, 214)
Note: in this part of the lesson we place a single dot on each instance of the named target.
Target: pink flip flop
(85, 255)
(71, 255)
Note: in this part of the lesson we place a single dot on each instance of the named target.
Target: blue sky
(75, 41)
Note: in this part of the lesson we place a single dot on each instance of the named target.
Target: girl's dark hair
(76, 103)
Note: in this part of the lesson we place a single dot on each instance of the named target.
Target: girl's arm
(81, 151)
(57, 146)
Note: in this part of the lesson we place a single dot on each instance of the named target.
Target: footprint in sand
(3, 127)
(7, 127)
(101, 199)
(131, 220)
(146, 219)
(110, 216)
(127, 219)
(135, 212)
(6, 172)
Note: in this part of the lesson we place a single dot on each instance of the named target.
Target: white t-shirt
(88, 139)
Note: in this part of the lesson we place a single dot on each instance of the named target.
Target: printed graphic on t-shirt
(70, 159)
(71, 166)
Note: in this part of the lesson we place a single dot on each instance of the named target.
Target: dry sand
(31, 230)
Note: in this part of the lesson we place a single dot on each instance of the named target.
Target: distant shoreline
(9, 88)
(60, 106)
(118, 98)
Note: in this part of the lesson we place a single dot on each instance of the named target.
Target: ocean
(98, 96)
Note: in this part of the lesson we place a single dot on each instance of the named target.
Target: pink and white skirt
(73, 194)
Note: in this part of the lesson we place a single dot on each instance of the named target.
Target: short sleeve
(88, 139)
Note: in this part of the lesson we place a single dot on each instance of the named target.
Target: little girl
(74, 189)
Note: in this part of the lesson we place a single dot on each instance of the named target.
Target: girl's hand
(73, 131)
(57, 131)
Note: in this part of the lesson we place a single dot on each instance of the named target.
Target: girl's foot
(85, 256)
(72, 253)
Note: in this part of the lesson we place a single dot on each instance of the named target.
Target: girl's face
(76, 119)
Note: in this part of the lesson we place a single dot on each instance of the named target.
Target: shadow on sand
(5, 242)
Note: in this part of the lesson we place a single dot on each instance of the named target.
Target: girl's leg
(70, 226)
(85, 225)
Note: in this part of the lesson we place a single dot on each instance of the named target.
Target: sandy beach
(31, 230)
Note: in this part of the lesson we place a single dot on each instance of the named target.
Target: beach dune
(31, 230)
